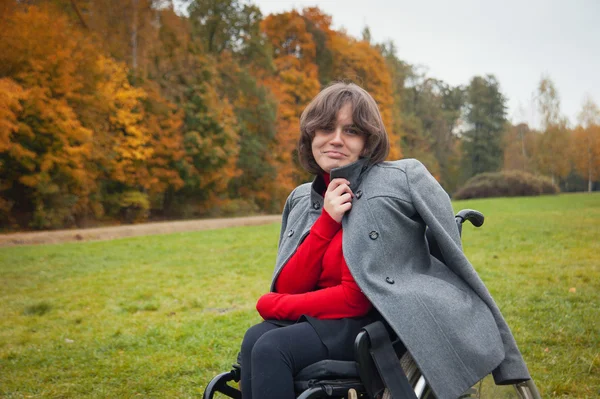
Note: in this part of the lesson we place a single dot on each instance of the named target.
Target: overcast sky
(516, 40)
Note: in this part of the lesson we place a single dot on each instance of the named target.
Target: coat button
(316, 205)
(290, 233)
(389, 280)
(373, 235)
(359, 194)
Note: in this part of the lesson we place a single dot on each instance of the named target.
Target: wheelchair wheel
(416, 379)
(420, 386)
(484, 389)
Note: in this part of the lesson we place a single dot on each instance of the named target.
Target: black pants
(272, 355)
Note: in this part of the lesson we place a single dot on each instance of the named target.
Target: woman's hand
(338, 199)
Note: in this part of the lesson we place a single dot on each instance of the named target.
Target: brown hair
(322, 112)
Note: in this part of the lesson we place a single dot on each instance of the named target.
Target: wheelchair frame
(367, 383)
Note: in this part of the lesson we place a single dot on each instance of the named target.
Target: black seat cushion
(325, 369)
(329, 375)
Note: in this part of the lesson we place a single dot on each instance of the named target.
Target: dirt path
(109, 233)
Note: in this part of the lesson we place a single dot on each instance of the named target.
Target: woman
(353, 241)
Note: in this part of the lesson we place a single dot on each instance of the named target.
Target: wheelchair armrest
(475, 217)
(367, 370)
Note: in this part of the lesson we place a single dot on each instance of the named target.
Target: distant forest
(122, 111)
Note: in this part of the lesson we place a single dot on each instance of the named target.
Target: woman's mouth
(335, 154)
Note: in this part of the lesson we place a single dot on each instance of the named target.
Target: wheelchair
(362, 378)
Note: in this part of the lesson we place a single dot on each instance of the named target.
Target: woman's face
(340, 144)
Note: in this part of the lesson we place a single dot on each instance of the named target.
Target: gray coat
(443, 313)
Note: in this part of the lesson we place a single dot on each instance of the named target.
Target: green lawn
(158, 316)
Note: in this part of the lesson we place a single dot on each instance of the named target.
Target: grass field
(158, 316)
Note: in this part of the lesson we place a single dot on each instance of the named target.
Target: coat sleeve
(433, 205)
(340, 301)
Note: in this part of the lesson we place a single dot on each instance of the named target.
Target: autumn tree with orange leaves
(308, 54)
(46, 68)
(294, 83)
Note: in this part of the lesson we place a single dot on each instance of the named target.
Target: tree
(553, 146)
(11, 96)
(519, 144)
(548, 103)
(419, 111)
(486, 117)
(164, 124)
(362, 63)
(293, 85)
(586, 143)
(319, 26)
(211, 144)
(225, 24)
(552, 154)
(126, 30)
(255, 109)
(129, 148)
(399, 72)
(48, 69)
(81, 133)
(431, 112)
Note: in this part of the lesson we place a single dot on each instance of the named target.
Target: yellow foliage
(164, 125)
(130, 140)
(519, 148)
(10, 95)
(47, 66)
(586, 152)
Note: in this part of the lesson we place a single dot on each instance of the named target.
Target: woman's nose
(337, 137)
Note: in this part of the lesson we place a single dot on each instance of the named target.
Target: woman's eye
(352, 131)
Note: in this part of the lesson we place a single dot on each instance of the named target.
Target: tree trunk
(589, 170)
(134, 27)
(76, 9)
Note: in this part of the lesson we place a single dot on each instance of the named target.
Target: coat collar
(353, 172)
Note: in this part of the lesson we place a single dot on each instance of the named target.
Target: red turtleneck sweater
(316, 281)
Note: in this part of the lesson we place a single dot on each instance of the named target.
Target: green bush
(135, 206)
(511, 183)
(54, 210)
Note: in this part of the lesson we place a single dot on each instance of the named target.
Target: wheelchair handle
(475, 217)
